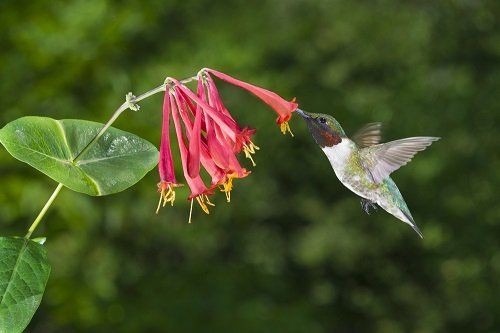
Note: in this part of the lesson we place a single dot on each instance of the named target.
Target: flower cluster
(208, 137)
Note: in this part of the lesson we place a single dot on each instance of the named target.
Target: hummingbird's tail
(394, 204)
(412, 223)
(402, 213)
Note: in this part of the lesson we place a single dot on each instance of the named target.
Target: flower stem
(43, 211)
(130, 103)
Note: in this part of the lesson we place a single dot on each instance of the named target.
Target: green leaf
(24, 271)
(117, 161)
(39, 240)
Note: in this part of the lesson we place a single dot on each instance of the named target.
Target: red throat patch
(329, 139)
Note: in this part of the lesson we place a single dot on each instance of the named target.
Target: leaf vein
(18, 261)
(39, 152)
(95, 160)
(65, 139)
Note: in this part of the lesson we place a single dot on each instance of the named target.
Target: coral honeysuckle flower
(209, 138)
(207, 160)
(214, 99)
(166, 163)
(220, 119)
(196, 184)
(219, 146)
(243, 136)
(282, 107)
(195, 140)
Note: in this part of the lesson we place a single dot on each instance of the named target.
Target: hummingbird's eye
(322, 120)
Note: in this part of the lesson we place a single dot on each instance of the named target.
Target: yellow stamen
(190, 211)
(249, 149)
(203, 201)
(167, 194)
(159, 203)
(208, 201)
(227, 187)
(202, 204)
(285, 127)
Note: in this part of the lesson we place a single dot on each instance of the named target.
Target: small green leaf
(39, 240)
(24, 271)
(117, 161)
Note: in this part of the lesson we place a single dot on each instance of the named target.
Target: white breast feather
(338, 156)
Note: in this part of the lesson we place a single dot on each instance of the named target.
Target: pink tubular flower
(195, 140)
(243, 136)
(208, 136)
(205, 157)
(196, 185)
(282, 107)
(166, 163)
(219, 141)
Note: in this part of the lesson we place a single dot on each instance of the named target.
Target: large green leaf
(24, 272)
(117, 161)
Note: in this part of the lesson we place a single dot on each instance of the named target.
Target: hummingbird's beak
(303, 114)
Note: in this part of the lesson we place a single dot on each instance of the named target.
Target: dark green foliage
(293, 252)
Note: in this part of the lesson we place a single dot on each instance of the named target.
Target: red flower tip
(282, 107)
(243, 137)
(227, 185)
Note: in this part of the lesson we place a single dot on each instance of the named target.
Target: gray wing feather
(368, 135)
(383, 159)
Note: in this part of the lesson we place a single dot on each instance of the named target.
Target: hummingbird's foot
(366, 205)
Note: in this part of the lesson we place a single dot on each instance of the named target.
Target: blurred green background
(293, 252)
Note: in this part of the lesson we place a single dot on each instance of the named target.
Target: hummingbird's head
(325, 130)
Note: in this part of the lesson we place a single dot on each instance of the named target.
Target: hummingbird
(363, 164)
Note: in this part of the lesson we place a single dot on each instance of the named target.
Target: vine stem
(44, 210)
(130, 103)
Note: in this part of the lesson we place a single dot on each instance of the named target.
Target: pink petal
(216, 101)
(218, 152)
(195, 184)
(193, 161)
(222, 120)
(244, 137)
(166, 163)
(208, 163)
(281, 106)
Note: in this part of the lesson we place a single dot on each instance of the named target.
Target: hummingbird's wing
(368, 135)
(382, 159)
